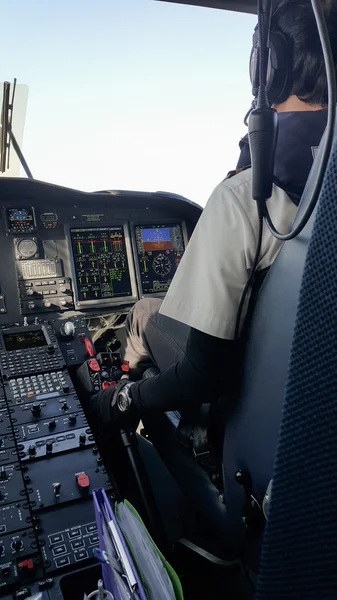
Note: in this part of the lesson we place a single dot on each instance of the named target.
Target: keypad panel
(37, 384)
(33, 360)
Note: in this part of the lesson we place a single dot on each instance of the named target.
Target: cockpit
(194, 501)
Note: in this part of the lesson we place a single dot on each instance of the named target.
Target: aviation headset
(280, 65)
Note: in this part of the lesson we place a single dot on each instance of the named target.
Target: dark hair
(295, 18)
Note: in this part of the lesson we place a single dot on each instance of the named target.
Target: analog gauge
(27, 247)
(161, 265)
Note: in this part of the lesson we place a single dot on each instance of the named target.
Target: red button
(26, 564)
(93, 364)
(82, 481)
(125, 366)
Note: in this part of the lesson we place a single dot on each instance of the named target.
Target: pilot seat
(225, 516)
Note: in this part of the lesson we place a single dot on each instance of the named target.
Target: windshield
(129, 94)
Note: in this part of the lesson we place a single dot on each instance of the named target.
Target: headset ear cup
(280, 67)
(254, 63)
(254, 70)
(280, 71)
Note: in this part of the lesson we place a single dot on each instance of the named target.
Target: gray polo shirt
(206, 290)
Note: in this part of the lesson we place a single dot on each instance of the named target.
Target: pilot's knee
(146, 307)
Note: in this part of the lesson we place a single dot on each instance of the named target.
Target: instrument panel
(66, 251)
(65, 255)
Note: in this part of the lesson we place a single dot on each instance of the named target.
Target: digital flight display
(159, 251)
(21, 220)
(24, 340)
(100, 264)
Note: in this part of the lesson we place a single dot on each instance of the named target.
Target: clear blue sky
(129, 94)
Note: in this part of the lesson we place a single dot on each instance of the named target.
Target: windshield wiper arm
(7, 135)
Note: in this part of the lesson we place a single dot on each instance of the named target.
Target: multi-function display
(24, 340)
(100, 264)
(159, 252)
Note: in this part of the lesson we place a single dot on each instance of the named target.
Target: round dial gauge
(161, 265)
(27, 247)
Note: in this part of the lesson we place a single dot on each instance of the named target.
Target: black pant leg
(153, 339)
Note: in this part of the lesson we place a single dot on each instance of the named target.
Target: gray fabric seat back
(251, 433)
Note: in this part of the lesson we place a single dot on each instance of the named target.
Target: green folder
(178, 591)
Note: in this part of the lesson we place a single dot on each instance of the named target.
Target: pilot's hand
(113, 405)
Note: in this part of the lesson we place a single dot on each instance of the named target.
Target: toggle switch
(49, 447)
(57, 489)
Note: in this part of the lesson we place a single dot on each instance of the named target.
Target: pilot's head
(298, 79)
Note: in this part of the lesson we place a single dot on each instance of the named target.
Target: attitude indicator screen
(100, 264)
(159, 252)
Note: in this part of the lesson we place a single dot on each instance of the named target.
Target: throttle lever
(89, 348)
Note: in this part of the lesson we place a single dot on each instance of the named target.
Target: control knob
(32, 451)
(67, 329)
(72, 419)
(2, 495)
(65, 388)
(29, 292)
(52, 424)
(65, 405)
(36, 409)
(47, 303)
(82, 439)
(3, 474)
(50, 349)
(31, 305)
(64, 302)
(63, 289)
(17, 544)
(2, 549)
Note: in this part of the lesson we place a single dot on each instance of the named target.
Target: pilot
(189, 336)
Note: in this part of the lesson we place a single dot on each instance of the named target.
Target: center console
(49, 461)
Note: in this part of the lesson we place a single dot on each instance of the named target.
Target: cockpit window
(128, 94)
